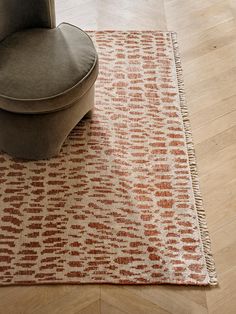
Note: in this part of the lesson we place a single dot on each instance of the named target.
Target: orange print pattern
(117, 205)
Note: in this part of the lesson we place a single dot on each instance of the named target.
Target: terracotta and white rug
(121, 204)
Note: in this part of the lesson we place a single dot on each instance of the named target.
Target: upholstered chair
(47, 77)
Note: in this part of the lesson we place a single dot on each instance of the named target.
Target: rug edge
(201, 214)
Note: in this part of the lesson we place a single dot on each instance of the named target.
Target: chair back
(20, 14)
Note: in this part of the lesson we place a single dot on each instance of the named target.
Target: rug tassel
(206, 242)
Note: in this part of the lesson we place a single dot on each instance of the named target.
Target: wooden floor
(207, 38)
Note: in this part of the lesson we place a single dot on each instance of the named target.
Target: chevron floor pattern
(207, 38)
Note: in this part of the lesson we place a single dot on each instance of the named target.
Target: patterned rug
(121, 203)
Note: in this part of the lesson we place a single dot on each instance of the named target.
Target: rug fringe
(206, 242)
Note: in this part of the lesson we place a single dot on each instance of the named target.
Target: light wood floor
(207, 38)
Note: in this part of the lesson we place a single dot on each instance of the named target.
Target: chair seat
(44, 70)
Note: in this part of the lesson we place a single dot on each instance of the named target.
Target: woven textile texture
(121, 203)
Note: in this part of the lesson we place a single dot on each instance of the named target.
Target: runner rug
(121, 203)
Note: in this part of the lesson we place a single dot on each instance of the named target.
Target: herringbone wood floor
(207, 38)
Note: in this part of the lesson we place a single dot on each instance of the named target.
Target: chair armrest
(20, 14)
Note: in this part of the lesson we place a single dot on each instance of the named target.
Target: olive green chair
(47, 77)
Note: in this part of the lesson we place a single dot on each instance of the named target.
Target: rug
(121, 203)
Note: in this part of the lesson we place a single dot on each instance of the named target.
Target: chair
(47, 77)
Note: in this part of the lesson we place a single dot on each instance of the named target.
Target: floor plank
(207, 39)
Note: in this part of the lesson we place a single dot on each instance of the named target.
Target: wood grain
(207, 37)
